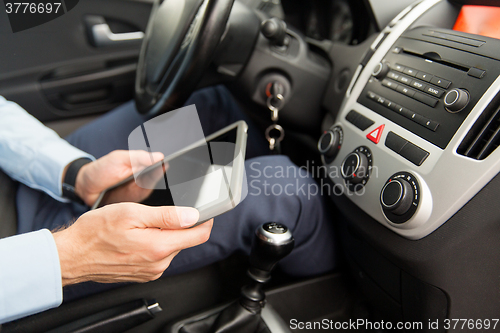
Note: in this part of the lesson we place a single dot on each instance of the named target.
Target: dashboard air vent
(484, 136)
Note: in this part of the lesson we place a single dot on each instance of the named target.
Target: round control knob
(355, 167)
(397, 196)
(380, 70)
(456, 100)
(330, 142)
(274, 29)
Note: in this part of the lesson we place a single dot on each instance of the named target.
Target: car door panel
(56, 72)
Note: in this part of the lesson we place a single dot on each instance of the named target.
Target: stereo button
(395, 107)
(426, 122)
(395, 142)
(404, 79)
(402, 110)
(372, 96)
(389, 84)
(407, 91)
(431, 124)
(407, 113)
(414, 154)
(399, 67)
(425, 99)
(359, 120)
(440, 82)
(424, 76)
(393, 75)
(388, 104)
(417, 84)
(419, 119)
(434, 91)
(410, 71)
(476, 72)
(380, 100)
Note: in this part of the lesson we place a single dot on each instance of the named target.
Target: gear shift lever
(272, 242)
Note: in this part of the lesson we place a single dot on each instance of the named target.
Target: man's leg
(278, 191)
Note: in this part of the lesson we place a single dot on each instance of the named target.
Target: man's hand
(126, 242)
(95, 177)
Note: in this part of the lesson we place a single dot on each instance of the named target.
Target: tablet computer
(208, 175)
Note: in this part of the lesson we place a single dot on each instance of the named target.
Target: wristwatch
(68, 186)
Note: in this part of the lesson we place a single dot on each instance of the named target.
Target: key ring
(275, 109)
(277, 128)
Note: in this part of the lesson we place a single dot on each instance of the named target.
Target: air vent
(484, 136)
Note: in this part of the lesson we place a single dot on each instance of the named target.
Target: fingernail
(189, 217)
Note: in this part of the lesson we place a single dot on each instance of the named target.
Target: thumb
(169, 217)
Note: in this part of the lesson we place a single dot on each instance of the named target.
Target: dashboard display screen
(479, 20)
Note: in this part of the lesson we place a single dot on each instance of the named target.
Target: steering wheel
(179, 43)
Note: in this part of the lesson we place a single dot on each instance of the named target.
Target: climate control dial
(356, 168)
(330, 142)
(400, 197)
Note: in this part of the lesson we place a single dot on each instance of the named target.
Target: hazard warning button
(376, 134)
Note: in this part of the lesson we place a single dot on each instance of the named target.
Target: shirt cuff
(30, 275)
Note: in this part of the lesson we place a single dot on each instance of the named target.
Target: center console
(415, 138)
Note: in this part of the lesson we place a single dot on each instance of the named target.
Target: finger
(150, 179)
(127, 193)
(176, 240)
(140, 159)
(167, 217)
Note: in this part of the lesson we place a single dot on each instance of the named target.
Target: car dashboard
(411, 155)
(397, 108)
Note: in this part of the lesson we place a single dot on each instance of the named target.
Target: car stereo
(431, 79)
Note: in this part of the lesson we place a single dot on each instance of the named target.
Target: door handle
(100, 33)
(103, 36)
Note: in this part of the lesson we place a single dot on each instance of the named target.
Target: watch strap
(69, 182)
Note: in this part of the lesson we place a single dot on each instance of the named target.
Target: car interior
(394, 104)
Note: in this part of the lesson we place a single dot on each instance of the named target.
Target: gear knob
(273, 241)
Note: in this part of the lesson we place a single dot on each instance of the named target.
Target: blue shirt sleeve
(32, 153)
(30, 275)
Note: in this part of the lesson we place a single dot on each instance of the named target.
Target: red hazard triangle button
(376, 134)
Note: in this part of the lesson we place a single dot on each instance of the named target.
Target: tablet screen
(194, 180)
(198, 177)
